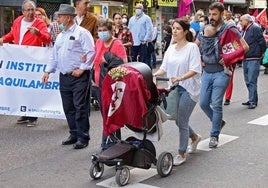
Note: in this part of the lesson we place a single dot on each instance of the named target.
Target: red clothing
(229, 89)
(28, 39)
(117, 49)
(124, 100)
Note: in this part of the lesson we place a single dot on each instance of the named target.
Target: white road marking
(260, 121)
(223, 139)
(136, 175)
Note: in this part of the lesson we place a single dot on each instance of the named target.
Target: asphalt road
(34, 157)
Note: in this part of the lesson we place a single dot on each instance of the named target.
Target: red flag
(231, 47)
(255, 13)
(124, 97)
(262, 18)
(184, 8)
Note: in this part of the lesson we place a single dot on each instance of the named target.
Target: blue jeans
(185, 108)
(251, 70)
(211, 96)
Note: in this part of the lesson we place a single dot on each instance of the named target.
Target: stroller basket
(118, 150)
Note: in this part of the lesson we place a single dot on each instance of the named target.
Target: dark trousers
(140, 54)
(75, 99)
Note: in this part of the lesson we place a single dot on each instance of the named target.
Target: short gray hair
(28, 1)
(248, 18)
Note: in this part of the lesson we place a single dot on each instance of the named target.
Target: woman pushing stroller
(182, 63)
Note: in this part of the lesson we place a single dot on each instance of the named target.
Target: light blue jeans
(185, 108)
(211, 97)
(251, 70)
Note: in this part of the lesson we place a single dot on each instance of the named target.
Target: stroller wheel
(164, 164)
(122, 176)
(96, 170)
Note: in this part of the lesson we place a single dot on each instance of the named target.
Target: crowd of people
(201, 69)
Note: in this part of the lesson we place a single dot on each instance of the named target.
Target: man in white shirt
(70, 44)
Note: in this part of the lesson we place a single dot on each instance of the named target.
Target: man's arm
(149, 29)
(244, 44)
(197, 42)
(42, 32)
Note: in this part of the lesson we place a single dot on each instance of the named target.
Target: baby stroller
(130, 98)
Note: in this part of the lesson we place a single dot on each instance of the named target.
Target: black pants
(75, 99)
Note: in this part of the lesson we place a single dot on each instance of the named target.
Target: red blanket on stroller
(124, 96)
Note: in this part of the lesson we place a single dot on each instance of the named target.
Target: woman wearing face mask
(106, 42)
(123, 33)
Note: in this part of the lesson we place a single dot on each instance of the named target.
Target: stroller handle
(161, 78)
(172, 87)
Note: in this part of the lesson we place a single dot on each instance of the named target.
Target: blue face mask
(104, 35)
(138, 11)
(62, 27)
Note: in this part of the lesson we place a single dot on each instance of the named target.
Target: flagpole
(194, 6)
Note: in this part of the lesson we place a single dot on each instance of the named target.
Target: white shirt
(67, 53)
(79, 19)
(24, 28)
(178, 62)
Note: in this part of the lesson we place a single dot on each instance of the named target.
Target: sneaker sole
(29, 125)
(178, 164)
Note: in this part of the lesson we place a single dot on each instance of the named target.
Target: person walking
(141, 27)
(30, 31)
(251, 64)
(85, 18)
(74, 78)
(214, 79)
(181, 63)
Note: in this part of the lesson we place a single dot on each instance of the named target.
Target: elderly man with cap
(70, 44)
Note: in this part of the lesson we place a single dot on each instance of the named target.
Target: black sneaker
(213, 143)
(246, 103)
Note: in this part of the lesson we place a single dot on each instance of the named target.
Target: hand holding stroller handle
(174, 85)
(161, 78)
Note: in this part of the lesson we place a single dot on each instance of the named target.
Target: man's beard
(215, 23)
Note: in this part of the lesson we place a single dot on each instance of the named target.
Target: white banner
(21, 89)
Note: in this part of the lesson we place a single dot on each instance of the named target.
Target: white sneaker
(192, 147)
(178, 160)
